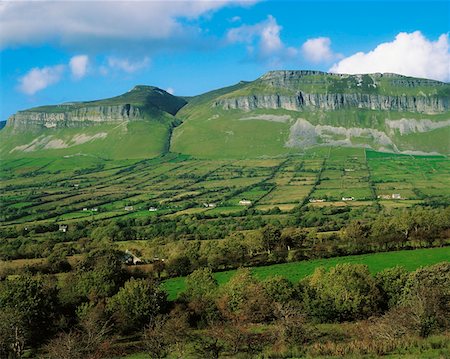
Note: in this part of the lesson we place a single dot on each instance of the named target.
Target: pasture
(295, 271)
(78, 188)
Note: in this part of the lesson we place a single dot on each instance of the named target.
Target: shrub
(345, 292)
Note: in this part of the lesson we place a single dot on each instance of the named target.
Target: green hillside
(215, 125)
(144, 137)
(282, 112)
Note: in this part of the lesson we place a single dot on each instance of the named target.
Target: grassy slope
(211, 132)
(411, 260)
(138, 139)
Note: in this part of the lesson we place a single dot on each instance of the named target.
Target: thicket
(100, 306)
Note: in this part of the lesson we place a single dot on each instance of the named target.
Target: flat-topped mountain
(279, 113)
(142, 102)
(312, 90)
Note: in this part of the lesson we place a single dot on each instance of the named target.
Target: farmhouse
(313, 200)
(245, 202)
(348, 198)
(209, 205)
(63, 228)
(396, 196)
(128, 208)
(152, 209)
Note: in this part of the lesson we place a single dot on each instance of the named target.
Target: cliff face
(334, 101)
(315, 90)
(78, 117)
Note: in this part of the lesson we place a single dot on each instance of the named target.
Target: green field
(66, 189)
(410, 260)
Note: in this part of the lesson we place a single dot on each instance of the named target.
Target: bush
(345, 292)
(244, 298)
(391, 282)
(136, 304)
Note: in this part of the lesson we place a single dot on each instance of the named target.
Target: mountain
(287, 111)
(137, 124)
(279, 113)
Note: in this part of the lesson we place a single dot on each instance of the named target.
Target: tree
(200, 283)
(391, 282)
(270, 237)
(244, 299)
(290, 324)
(35, 304)
(178, 266)
(136, 304)
(426, 296)
(200, 293)
(98, 276)
(89, 339)
(279, 289)
(345, 292)
(12, 333)
(167, 331)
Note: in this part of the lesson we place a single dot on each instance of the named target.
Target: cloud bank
(410, 54)
(99, 24)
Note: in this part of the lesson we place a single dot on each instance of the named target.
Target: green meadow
(295, 271)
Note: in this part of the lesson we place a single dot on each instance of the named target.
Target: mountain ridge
(280, 112)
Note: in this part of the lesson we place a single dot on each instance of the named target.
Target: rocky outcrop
(290, 78)
(74, 117)
(302, 101)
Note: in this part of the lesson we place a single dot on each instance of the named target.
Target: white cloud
(318, 50)
(78, 66)
(97, 25)
(262, 39)
(38, 79)
(410, 54)
(170, 90)
(127, 65)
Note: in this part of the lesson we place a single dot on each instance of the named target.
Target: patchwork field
(75, 188)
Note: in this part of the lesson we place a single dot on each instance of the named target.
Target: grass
(57, 189)
(409, 259)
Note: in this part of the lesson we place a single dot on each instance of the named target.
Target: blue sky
(53, 52)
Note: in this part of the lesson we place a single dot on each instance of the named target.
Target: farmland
(410, 260)
(51, 191)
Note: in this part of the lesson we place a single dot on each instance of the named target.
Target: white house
(245, 202)
(152, 209)
(128, 208)
(348, 198)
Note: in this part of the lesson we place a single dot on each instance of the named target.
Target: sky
(59, 51)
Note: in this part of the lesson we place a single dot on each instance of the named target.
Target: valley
(52, 191)
(275, 216)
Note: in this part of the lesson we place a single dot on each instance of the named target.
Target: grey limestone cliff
(316, 90)
(334, 101)
(73, 116)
